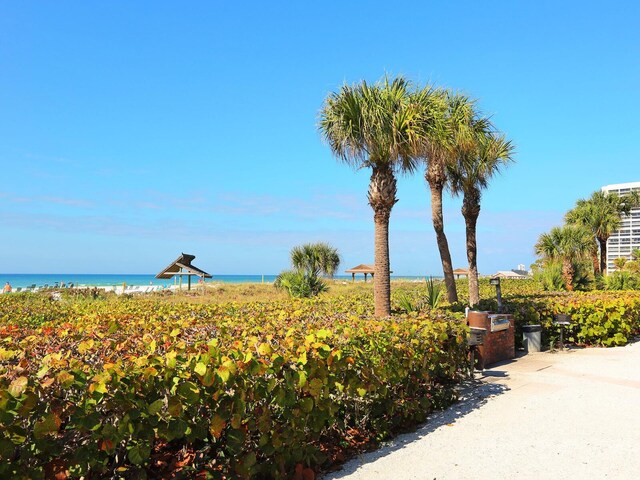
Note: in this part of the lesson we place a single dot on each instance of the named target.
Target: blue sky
(133, 131)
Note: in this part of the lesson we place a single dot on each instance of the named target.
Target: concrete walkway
(568, 415)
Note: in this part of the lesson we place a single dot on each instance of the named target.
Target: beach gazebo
(181, 267)
(461, 271)
(362, 268)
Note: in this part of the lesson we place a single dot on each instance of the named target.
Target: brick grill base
(497, 346)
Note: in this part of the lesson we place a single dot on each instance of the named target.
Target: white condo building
(627, 239)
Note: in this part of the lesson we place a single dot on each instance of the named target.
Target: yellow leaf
(84, 347)
(264, 349)
(322, 334)
(303, 358)
(217, 426)
(224, 373)
(18, 386)
(65, 378)
(201, 368)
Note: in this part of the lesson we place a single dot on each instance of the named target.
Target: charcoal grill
(563, 320)
(476, 338)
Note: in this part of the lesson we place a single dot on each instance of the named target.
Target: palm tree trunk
(436, 184)
(596, 263)
(567, 274)
(381, 278)
(470, 211)
(382, 198)
(603, 254)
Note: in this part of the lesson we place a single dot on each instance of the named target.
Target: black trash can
(532, 338)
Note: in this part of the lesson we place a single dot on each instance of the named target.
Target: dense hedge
(124, 387)
(599, 318)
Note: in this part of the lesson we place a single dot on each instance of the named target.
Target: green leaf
(235, 440)
(189, 391)
(306, 404)
(47, 425)
(138, 454)
(209, 378)
(174, 407)
(177, 428)
(155, 407)
(302, 379)
(315, 387)
(7, 448)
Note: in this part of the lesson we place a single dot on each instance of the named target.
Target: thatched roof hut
(181, 266)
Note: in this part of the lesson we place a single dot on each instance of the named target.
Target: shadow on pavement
(473, 395)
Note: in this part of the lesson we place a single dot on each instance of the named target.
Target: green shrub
(622, 280)
(300, 284)
(434, 292)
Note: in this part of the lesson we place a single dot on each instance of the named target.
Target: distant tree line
(574, 255)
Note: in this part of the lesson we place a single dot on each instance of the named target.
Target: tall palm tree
(319, 257)
(602, 215)
(374, 126)
(446, 124)
(469, 175)
(568, 244)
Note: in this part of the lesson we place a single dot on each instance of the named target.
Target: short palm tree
(568, 245)
(602, 215)
(620, 262)
(316, 257)
(373, 126)
(468, 176)
(634, 265)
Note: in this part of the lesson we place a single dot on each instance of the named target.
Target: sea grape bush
(599, 318)
(119, 388)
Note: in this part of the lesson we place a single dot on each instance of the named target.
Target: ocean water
(27, 279)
